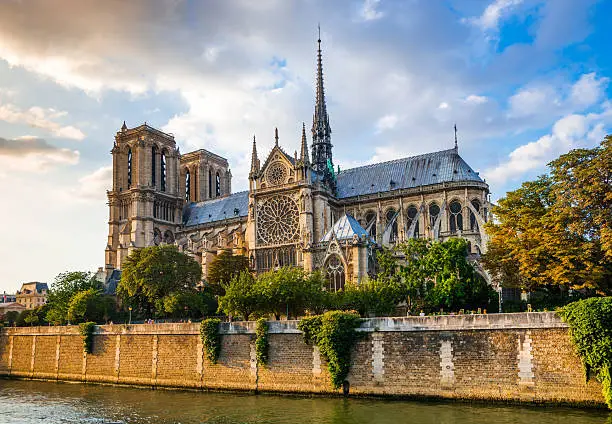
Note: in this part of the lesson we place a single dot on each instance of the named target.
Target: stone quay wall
(506, 357)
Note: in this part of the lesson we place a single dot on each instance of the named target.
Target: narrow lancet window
(187, 186)
(163, 172)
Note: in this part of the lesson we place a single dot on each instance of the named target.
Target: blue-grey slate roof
(232, 206)
(110, 287)
(415, 171)
(345, 228)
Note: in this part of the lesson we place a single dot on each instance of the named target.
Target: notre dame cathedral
(299, 210)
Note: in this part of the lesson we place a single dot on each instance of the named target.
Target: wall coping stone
(384, 324)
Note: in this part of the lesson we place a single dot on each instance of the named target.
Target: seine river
(27, 402)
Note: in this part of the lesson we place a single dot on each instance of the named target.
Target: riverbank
(518, 358)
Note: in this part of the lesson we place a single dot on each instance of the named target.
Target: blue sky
(525, 80)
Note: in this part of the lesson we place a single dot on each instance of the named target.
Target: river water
(27, 402)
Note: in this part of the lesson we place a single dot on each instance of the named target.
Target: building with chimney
(299, 210)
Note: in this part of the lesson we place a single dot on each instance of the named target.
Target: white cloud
(38, 117)
(33, 154)
(368, 11)
(533, 100)
(570, 132)
(386, 122)
(443, 105)
(588, 90)
(93, 186)
(476, 100)
(494, 12)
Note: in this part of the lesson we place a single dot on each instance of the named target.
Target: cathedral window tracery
(278, 221)
(217, 185)
(411, 215)
(370, 225)
(277, 173)
(456, 217)
(336, 276)
(391, 219)
(434, 211)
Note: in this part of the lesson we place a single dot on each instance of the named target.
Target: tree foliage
(223, 268)
(65, 286)
(334, 334)
(590, 322)
(152, 274)
(241, 297)
(557, 230)
(211, 339)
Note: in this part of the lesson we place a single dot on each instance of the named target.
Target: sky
(524, 80)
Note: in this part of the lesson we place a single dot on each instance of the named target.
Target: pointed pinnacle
(276, 136)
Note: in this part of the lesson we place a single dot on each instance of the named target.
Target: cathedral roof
(410, 172)
(345, 229)
(232, 206)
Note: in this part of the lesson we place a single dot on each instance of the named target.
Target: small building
(8, 298)
(32, 295)
(10, 307)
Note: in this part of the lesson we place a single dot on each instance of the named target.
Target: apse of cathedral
(299, 210)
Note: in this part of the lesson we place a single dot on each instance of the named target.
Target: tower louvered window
(153, 166)
(129, 168)
(163, 172)
(187, 186)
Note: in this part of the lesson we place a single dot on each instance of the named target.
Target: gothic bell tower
(144, 204)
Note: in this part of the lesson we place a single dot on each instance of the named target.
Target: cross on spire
(456, 147)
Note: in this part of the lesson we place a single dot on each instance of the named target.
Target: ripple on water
(27, 402)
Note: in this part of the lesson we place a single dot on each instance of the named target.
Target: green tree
(242, 297)
(152, 273)
(556, 231)
(11, 317)
(65, 286)
(223, 268)
(289, 291)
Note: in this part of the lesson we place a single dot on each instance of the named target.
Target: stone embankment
(509, 357)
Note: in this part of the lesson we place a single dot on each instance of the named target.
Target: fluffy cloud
(386, 122)
(92, 187)
(33, 154)
(38, 117)
(369, 12)
(570, 132)
(493, 14)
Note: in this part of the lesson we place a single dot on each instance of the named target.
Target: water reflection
(27, 402)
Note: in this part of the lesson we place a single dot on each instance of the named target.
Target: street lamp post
(130, 320)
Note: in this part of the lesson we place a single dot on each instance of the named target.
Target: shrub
(261, 341)
(211, 339)
(334, 333)
(86, 329)
(590, 322)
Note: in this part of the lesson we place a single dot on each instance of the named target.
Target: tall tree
(152, 273)
(556, 230)
(223, 268)
(65, 286)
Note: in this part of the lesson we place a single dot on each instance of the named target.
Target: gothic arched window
(456, 217)
(187, 185)
(163, 172)
(129, 168)
(434, 211)
(157, 236)
(334, 270)
(210, 192)
(370, 220)
(391, 219)
(217, 185)
(411, 214)
(473, 221)
(153, 163)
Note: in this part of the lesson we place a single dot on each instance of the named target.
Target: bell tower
(144, 204)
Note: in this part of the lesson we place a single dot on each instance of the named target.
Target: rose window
(277, 173)
(277, 221)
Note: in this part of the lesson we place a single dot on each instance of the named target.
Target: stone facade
(32, 295)
(505, 357)
(299, 210)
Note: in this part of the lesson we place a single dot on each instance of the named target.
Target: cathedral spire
(321, 130)
(276, 136)
(254, 159)
(304, 151)
(456, 146)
